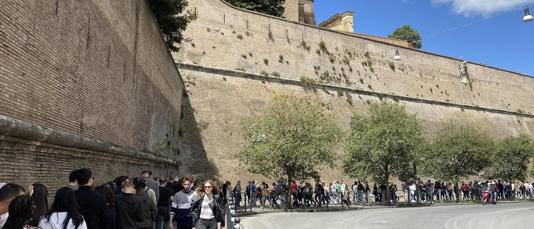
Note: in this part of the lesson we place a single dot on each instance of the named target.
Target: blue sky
(490, 32)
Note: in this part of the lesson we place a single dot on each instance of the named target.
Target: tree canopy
(384, 144)
(408, 34)
(271, 7)
(511, 158)
(457, 152)
(294, 138)
(172, 19)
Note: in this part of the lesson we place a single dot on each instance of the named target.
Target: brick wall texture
(95, 68)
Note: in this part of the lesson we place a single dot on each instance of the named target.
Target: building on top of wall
(345, 23)
(300, 10)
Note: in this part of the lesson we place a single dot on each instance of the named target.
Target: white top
(343, 188)
(56, 222)
(205, 211)
(4, 219)
(183, 200)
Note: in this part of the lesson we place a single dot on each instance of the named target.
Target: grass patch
(240, 69)
(308, 82)
(340, 93)
(276, 74)
(264, 73)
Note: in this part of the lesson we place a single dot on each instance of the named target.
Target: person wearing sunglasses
(206, 211)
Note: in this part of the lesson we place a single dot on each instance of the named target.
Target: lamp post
(528, 17)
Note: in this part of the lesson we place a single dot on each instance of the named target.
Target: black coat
(93, 207)
(130, 211)
(215, 206)
(149, 210)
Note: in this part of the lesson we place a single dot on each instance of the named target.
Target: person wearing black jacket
(92, 204)
(149, 207)
(206, 210)
(130, 209)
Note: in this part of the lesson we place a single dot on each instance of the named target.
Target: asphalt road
(501, 216)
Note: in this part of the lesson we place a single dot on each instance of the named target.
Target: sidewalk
(337, 207)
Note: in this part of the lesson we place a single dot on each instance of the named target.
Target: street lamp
(527, 17)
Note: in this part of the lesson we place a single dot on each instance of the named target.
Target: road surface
(509, 215)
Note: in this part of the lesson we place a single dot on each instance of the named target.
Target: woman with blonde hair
(206, 211)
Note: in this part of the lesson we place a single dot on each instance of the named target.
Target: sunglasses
(208, 186)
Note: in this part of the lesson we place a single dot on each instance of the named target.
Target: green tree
(294, 138)
(383, 145)
(271, 7)
(457, 152)
(511, 158)
(408, 34)
(172, 19)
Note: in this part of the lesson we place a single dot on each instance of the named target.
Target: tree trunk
(388, 194)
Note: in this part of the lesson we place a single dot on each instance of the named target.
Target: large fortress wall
(227, 41)
(418, 74)
(91, 84)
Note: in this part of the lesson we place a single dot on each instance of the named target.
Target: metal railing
(232, 220)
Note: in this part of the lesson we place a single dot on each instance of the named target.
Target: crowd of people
(321, 194)
(146, 202)
(124, 203)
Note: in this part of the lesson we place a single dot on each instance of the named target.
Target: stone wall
(96, 70)
(238, 61)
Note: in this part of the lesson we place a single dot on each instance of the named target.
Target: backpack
(266, 192)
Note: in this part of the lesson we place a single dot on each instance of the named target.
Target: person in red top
(293, 187)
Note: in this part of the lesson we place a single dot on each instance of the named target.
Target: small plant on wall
(266, 61)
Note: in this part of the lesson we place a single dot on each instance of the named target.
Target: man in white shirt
(181, 206)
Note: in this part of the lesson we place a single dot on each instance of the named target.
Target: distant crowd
(320, 194)
(141, 202)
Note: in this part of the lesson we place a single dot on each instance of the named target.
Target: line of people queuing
(137, 203)
(306, 195)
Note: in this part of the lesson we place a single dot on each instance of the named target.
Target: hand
(170, 225)
(30, 190)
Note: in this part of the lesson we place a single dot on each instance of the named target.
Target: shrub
(308, 82)
(281, 59)
(266, 61)
(240, 69)
(276, 74)
(264, 73)
(340, 93)
(239, 36)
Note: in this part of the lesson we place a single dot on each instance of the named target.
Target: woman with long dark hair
(20, 210)
(64, 213)
(39, 199)
(206, 210)
(108, 190)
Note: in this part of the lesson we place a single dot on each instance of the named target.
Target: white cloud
(484, 7)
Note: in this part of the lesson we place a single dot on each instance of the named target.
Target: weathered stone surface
(227, 41)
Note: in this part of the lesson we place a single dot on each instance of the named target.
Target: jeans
(493, 197)
(263, 199)
(367, 198)
(183, 219)
(206, 224)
